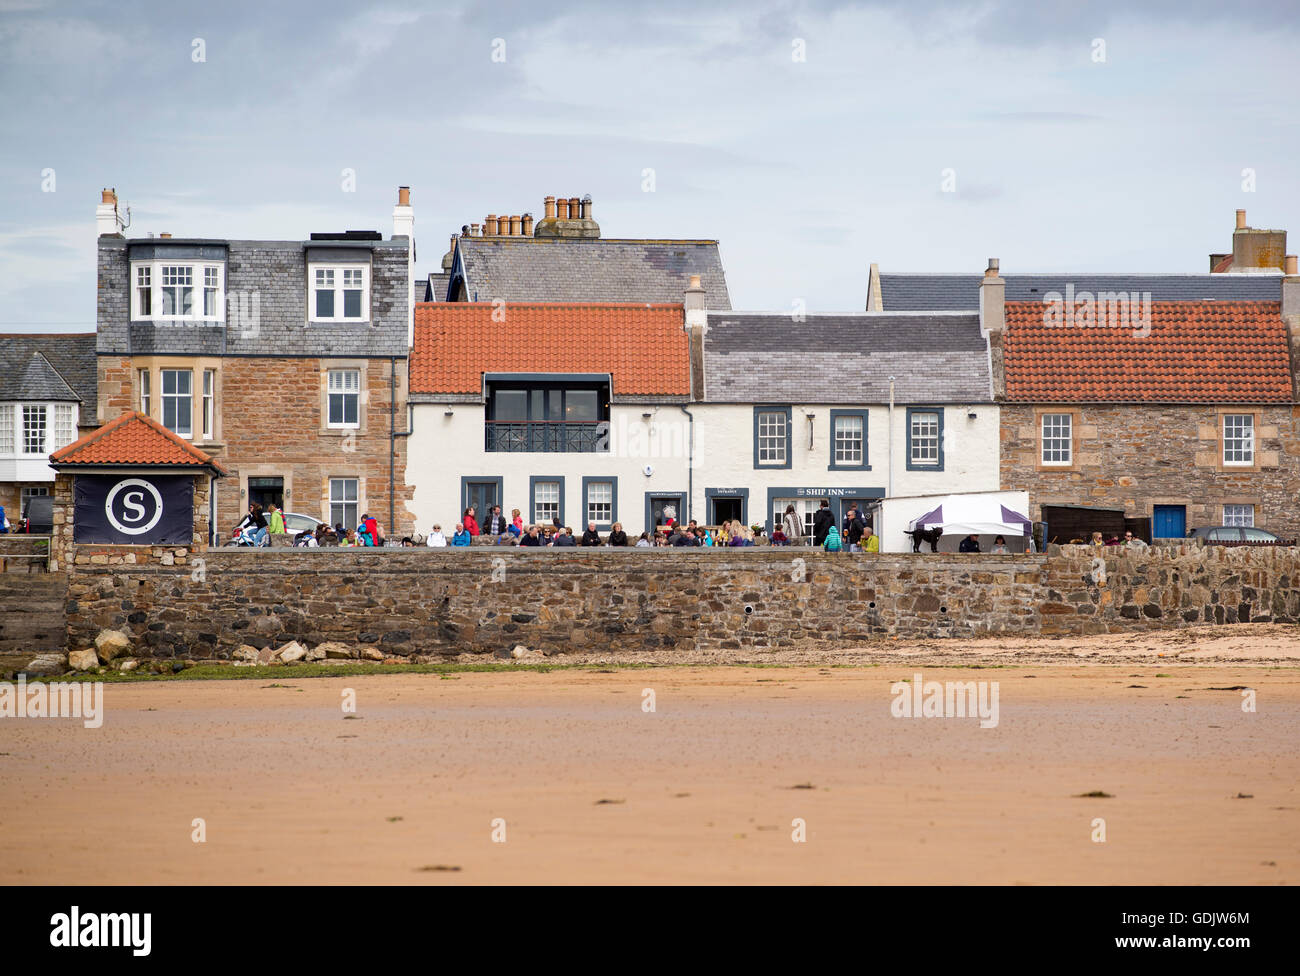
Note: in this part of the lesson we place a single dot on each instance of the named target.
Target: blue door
(1169, 521)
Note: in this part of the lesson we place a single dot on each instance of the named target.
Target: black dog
(925, 535)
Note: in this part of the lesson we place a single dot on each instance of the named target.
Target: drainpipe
(690, 463)
(393, 434)
(891, 438)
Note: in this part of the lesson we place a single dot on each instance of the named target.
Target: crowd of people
(261, 527)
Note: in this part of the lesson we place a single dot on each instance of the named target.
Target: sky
(809, 139)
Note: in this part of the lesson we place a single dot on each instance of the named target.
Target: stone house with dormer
(285, 361)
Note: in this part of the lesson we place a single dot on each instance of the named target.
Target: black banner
(133, 510)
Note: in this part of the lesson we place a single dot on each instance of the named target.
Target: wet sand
(705, 789)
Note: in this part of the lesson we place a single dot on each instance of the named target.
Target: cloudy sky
(1103, 136)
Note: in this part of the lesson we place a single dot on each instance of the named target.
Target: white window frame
(209, 403)
(844, 446)
(1240, 515)
(1243, 441)
(65, 425)
(338, 272)
(164, 396)
(147, 280)
(552, 504)
(1061, 433)
(144, 392)
(338, 496)
(606, 504)
(8, 443)
(923, 439)
(342, 389)
(44, 427)
(773, 438)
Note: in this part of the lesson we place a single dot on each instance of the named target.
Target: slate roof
(769, 358)
(1197, 352)
(532, 269)
(643, 347)
(69, 356)
(133, 439)
(435, 289)
(961, 292)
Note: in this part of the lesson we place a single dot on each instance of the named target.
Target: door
(266, 492)
(663, 507)
(1169, 521)
(482, 495)
(725, 510)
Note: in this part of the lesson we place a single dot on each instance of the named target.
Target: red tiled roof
(643, 346)
(1197, 352)
(131, 439)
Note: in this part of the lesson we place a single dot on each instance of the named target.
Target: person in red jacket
(471, 523)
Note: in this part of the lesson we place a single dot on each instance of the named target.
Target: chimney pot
(548, 208)
(562, 209)
(108, 196)
(1241, 220)
(575, 208)
(586, 207)
(515, 229)
(403, 196)
(490, 226)
(527, 227)
(475, 230)
(1291, 265)
(992, 270)
(165, 235)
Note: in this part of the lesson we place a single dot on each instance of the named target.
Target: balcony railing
(519, 436)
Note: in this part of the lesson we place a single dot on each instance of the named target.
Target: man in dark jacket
(853, 527)
(495, 523)
(970, 544)
(822, 523)
(682, 538)
(532, 537)
(591, 537)
(564, 539)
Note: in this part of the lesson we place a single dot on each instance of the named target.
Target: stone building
(286, 361)
(1179, 407)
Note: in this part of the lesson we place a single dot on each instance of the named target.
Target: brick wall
(445, 601)
(1134, 457)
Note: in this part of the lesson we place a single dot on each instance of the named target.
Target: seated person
(970, 544)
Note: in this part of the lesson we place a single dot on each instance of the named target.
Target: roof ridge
(65, 454)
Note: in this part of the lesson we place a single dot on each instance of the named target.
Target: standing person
(495, 524)
(852, 529)
(436, 539)
(462, 536)
(617, 537)
(832, 542)
(469, 521)
(276, 526)
(591, 537)
(823, 522)
(792, 526)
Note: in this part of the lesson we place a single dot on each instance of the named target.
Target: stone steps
(32, 612)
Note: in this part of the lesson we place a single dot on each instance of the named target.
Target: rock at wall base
(111, 644)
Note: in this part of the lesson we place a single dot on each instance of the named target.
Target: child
(832, 543)
(778, 537)
(516, 523)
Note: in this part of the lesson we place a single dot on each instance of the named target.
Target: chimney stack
(527, 227)
(404, 215)
(693, 302)
(1241, 220)
(1291, 265)
(106, 219)
(993, 322)
(1291, 316)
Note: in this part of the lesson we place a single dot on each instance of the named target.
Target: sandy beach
(585, 786)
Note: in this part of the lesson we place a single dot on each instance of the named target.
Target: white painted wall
(725, 454)
(442, 450)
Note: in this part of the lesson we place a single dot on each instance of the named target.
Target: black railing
(517, 436)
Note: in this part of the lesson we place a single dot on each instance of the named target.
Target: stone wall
(486, 600)
(1136, 456)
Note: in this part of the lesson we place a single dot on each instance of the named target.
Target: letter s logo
(131, 501)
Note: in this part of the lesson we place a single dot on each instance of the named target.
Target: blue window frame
(849, 441)
(772, 441)
(611, 501)
(925, 438)
(550, 498)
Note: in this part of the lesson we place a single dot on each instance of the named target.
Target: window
(924, 432)
(546, 501)
(34, 430)
(144, 291)
(1238, 514)
(344, 398)
(1239, 438)
(178, 401)
(144, 392)
(1058, 438)
(600, 501)
(849, 439)
(177, 290)
(29, 492)
(339, 294)
(771, 437)
(65, 427)
(805, 509)
(343, 502)
(6, 428)
(211, 292)
(209, 402)
(563, 415)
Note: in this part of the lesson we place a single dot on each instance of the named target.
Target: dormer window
(177, 290)
(339, 293)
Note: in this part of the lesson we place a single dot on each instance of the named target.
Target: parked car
(295, 523)
(1228, 535)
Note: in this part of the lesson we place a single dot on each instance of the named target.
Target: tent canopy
(966, 515)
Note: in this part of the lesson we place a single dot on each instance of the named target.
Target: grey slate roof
(961, 292)
(756, 358)
(58, 366)
(436, 288)
(529, 269)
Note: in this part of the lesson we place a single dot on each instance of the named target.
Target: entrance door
(266, 491)
(1169, 521)
(725, 510)
(482, 495)
(663, 507)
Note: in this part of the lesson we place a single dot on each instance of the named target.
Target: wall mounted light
(971, 415)
(448, 412)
